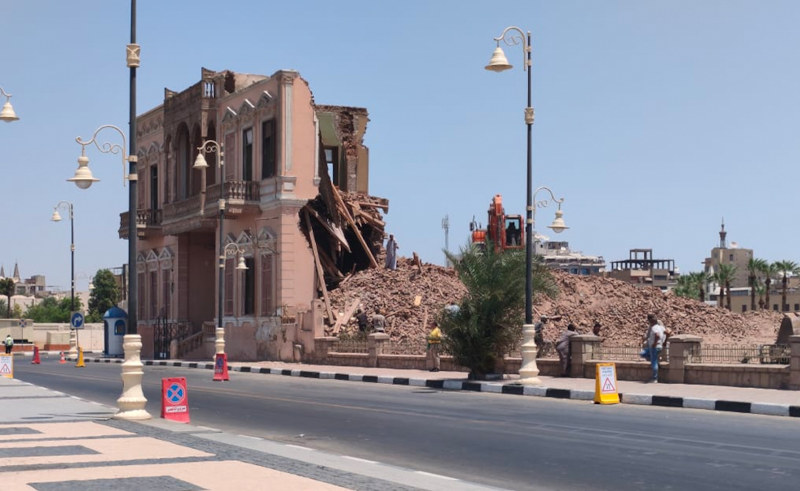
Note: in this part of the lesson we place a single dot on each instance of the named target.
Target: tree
(754, 267)
(786, 268)
(489, 319)
(769, 271)
(725, 274)
(700, 280)
(685, 288)
(7, 288)
(51, 309)
(105, 295)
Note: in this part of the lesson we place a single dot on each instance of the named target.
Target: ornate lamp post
(513, 36)
(229, 250)
(7, 114)
(73, 334)
(201, 164)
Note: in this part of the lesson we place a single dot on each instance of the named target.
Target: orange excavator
(504, 232)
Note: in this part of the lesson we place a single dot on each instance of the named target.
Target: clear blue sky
(653, 119)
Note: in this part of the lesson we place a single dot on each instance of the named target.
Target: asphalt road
(500, 440)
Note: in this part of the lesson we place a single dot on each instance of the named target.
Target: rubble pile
(410, 296)
(622, 309)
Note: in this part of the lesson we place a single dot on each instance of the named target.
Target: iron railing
(732, 354)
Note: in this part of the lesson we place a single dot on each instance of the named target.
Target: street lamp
(201, 164)
(7, 114)
(73, 337)
(229, 249)
(513, 36)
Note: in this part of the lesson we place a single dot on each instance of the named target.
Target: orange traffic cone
(63, 360)
(36, 360)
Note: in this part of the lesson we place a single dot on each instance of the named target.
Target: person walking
(564, 348)
(9, 343)
(655, 342)
(538, 335)
(391, 253)
(434, 342)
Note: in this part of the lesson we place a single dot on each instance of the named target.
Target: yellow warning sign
(605, 384)
(7, 366)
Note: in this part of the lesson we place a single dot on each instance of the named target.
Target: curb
(498, 388)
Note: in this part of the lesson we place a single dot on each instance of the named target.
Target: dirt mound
(411, 295)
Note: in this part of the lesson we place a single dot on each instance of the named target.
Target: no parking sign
(174, 399)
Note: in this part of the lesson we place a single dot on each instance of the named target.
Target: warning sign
(605, 387)
(174, 399)
(7, 366)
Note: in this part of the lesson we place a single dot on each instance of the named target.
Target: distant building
(734, 255)
(31, 287)
(557, 255)
(642, 270)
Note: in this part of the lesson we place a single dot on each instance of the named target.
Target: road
(499, 440)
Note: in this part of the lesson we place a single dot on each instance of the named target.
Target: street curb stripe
(512, 389)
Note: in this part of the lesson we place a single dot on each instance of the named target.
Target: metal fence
(730, 354)
(405, 347)
(350, 345)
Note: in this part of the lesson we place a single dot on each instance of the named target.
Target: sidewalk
(712, 397)
(52, 441)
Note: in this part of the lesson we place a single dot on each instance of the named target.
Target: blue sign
(176, 393)
(76, 321)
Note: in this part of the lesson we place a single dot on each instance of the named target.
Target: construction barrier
(63, 359)
(605, 384)
(80, 358)
(36, 360)
(221, 368)
(174, 399)
(7, 366)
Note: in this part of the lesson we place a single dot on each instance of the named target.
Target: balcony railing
(144, 219)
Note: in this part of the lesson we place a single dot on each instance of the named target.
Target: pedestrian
(434, 342)
(655, 342)
(362, 319)
(564, 348)
(391, 253)
(538, 335)
(596, 329)
(378, 321)
(9, 343)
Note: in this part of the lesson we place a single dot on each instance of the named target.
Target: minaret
(722, 234)
(2, 271)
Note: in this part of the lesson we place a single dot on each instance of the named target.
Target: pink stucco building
(276, 145)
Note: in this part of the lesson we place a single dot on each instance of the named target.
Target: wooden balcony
(147, 223)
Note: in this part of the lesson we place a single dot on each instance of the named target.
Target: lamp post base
(73, 345)
(132, 401)
(528, 371)
(219, 342)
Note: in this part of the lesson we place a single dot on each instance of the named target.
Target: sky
(654, 120)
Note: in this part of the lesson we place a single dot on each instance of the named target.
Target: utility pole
(446, 227)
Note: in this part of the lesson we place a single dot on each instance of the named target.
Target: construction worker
(9, 343)
(434, 342)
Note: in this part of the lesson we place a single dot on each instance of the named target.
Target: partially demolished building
(294, 199)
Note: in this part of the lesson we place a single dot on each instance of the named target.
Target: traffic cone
(36, 359)
(63, 360)
(80, 358)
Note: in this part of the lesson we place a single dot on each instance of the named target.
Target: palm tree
(490, 316)
(700, 280)
(768, 271)
(685, 288)
(754, 266)
(7, 288)
(725, 274)
(786, 268)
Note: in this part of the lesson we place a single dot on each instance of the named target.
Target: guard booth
(115, 323)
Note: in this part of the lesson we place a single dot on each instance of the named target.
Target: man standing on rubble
(391, 253)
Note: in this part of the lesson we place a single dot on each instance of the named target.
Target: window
(249, 286)
(267, 289)
(775, 307)
(140, 295)
(331, 160)
(268, 149)
(153, 295)
(730, 257)
(247, 154)
(229, 269)
(797, 306)
(154, 187)
(166, 291)
(744, 308)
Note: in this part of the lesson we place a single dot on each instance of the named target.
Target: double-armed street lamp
(201, 164)
(7, 114)
(514, 36)
(73, 338)
(132, 401)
